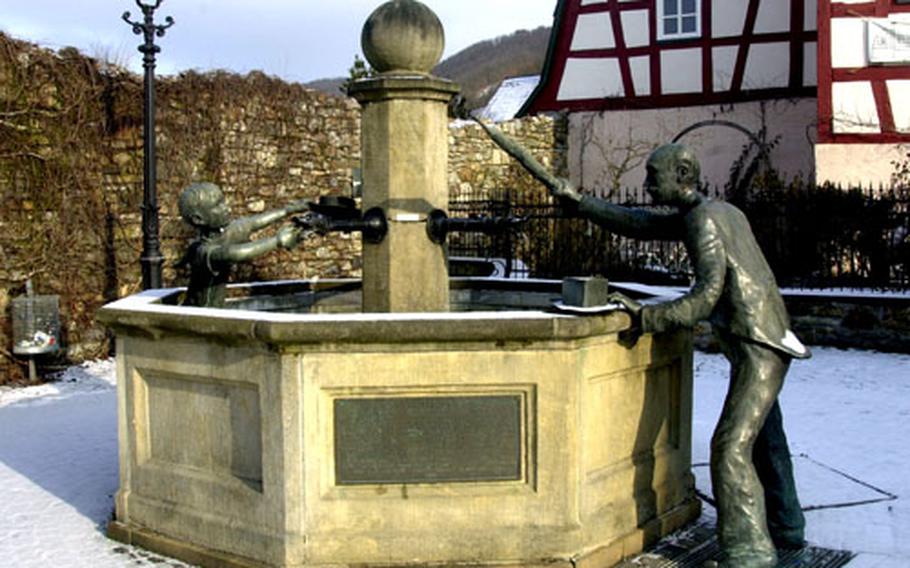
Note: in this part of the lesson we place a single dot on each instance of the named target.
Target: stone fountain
(408, 420)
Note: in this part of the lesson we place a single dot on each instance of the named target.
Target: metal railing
(813, 237)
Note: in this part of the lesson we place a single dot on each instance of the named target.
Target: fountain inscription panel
(428, 439)
(205, 425)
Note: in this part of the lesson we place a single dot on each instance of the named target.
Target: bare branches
(14, 155)
(604, 160)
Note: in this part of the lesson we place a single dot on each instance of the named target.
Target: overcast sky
(299, 40)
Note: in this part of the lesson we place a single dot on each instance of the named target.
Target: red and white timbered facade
(638, 54)
(864, 72)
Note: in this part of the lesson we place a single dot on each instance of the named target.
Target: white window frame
(661, 17)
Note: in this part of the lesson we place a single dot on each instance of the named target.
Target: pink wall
(610, 147)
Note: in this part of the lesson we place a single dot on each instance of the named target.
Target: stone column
(404, 148)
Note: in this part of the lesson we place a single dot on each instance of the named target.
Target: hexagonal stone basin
(501, 433)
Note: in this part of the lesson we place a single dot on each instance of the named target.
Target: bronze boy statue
(221, 242)
(735, 290)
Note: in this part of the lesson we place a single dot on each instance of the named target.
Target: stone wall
(71, 176)
(266, 143)
(880, 323)
(479, 170)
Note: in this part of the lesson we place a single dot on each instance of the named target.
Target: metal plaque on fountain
(430, 439)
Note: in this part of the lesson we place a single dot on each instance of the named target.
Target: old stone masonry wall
(71, 176)
(479, 170)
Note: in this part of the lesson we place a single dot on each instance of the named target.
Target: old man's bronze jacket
(734, 287)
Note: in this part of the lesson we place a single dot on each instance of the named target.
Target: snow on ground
(847, 415)
(58, 473)
(91, 377)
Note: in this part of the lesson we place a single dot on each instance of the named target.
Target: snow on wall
(509, 98)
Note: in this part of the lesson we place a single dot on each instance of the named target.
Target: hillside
(480, 68)
(332, 85)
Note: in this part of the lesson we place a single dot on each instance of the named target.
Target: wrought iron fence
(813, 236)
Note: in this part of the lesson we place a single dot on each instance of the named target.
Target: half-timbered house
(863, 88)
(634, 73)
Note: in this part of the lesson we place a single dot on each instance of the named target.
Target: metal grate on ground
(695, 545)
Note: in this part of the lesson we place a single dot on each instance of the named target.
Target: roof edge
(555, 30)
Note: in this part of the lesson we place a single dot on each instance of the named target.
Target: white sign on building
(889, 39)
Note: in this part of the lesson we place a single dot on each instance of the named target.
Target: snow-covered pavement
(847, 415)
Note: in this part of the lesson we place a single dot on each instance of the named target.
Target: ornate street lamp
(151, 258)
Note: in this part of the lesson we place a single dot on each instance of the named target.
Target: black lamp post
(151, 258)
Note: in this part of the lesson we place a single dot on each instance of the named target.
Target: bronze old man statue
(734, 288)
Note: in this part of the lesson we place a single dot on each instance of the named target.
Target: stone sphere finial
(403, 36)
